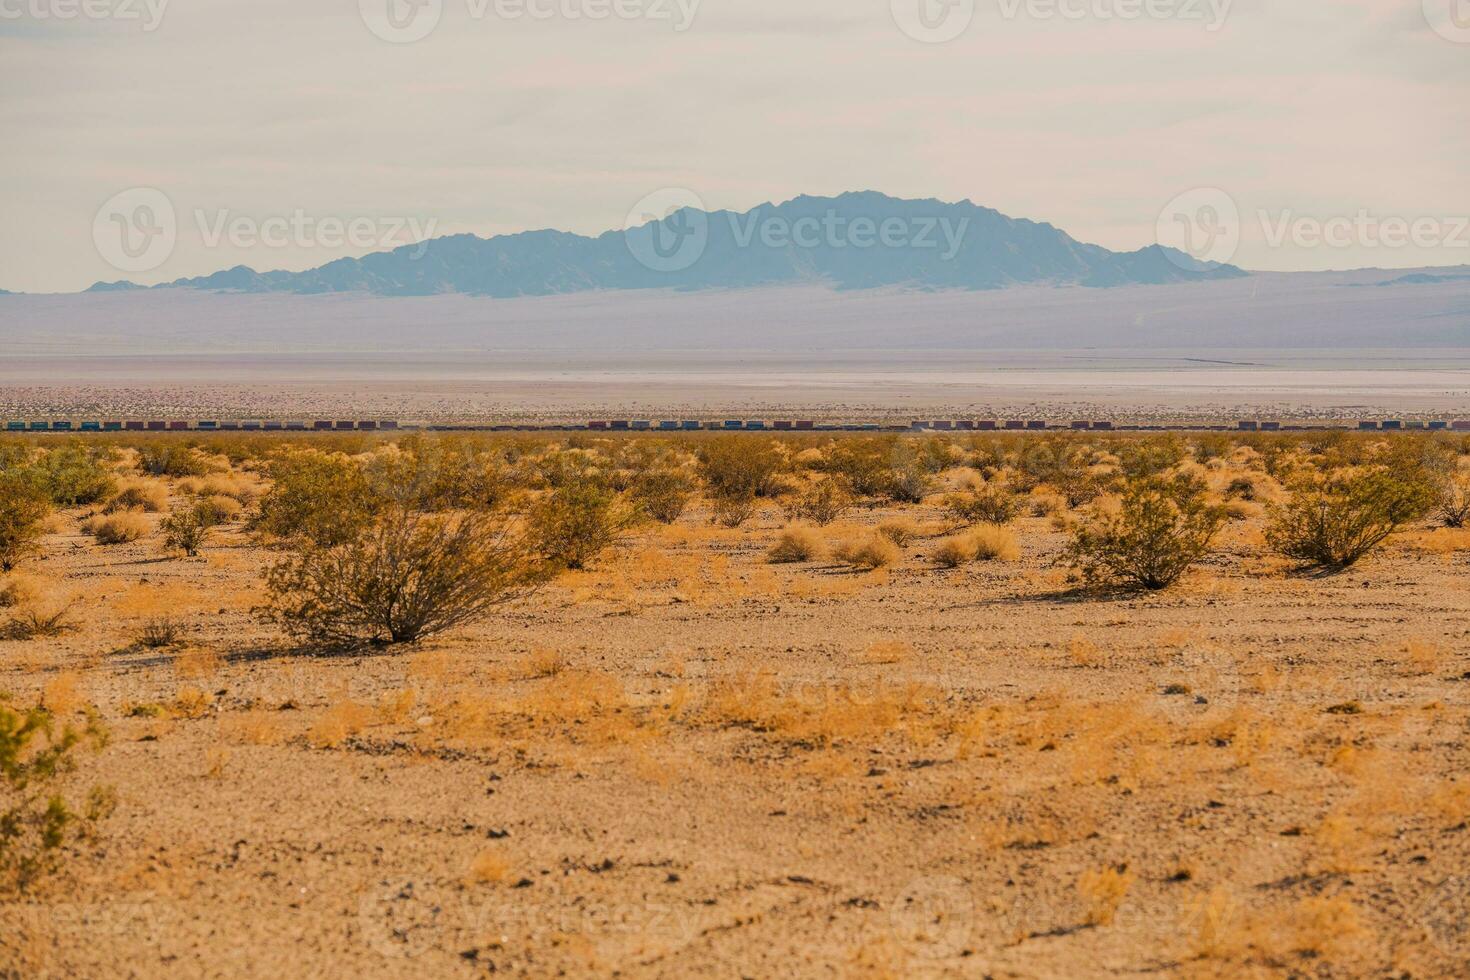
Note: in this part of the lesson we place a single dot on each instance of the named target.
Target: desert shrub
(663, 495)
(1452, 500)
(187, 528)
(994, 543)
(740, 466)
(954, 552)
(821, 503)
(15, 590)
(795, 545)
(119, 528)
(406, 576)
(151, 498)
(171, 459)
(577, 522)
(863, 464)
(900, 532)
(36, 821)
(35, 622)
(157, 632)
(733, 510)
(74, 476)
(324, 499)
(1142, 458)
(908, 483)
(991, 505)
(24, 506)
(440, 475)
(1242, 488)
(869, 552)
(1161, 529)
(232, 489)
(1335, 523)
(216, 510)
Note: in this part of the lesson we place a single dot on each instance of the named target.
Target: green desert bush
(1452, 500)
(324, 499)
(821, 503)
(24, 507)
(663, 495)
(168, 458)
(1161, 529)
(739, 466)
(990, 505)
(187, 528)
(577, 522)
(36, 821)
(406, 576)
(1335, 522)
(75, 476)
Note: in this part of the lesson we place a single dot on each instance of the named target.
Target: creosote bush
(36, 821)
(663, 495)
(1161, 529)
(407, 576)
(991, 505)
(324, 499)
(1335, 523)
(24, 506)
(577, 522)
(187, 528)
(821, 503)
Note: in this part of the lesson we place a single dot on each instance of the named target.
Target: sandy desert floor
(687, 761)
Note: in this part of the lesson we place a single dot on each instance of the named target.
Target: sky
(287, 133)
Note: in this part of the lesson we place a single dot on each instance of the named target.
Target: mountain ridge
(932, 245)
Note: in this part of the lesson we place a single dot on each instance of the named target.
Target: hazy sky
(1090, 114)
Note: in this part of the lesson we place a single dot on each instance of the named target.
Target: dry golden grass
(796, 545)
(1102, 892)
(150, 496)
(993, 543)
(868, 552)
(119, 528)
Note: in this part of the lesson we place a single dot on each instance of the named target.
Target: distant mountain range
(854, 241)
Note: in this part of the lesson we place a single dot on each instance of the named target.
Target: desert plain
(688, 758)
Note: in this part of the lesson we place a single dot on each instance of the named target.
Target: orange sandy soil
(689, 762)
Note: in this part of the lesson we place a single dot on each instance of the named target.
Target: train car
(207, 425)
(1438, 425)
(112, 425)
(733, 424)
(599, 425)
(178, 426)
(62, 426)
(1366, 426)
(1270, 426)
(295, 426)
(755, 426)
(1080, 426)
(640, 425)
(15, 426)
(783, 425)
(90, 426)
(986, 425)
(1247, 426)
(1013, 425)
(389, 424)
(805, 425)
(1393, 425)
(1102, 426)
(667, 425)
(273, 426)
(344, 425)
(1036, 425)
(367, 426)
(944, 425)
(690, 425)
(321, 425)
(157, 425)
(40, 426)
(620, 425)
(134, 425)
